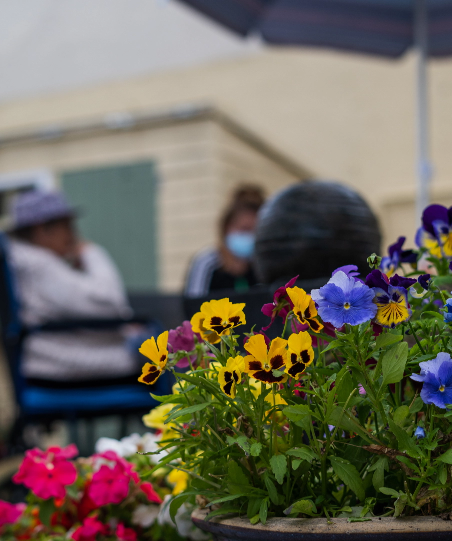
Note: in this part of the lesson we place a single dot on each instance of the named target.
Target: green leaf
(263, 510)
(226, 499)
(418, 404)
(253, 507)
(387, 339)
(255, 449)
(399, 505)
(46, 510)
(442, 474)
(404, 441)
(241, 441)
(401, 414)
(187, 411)
(298, 412)
(344, 385)
(446, 457)
(302, 452)
(279, 467)
(378, 478)
(222, 511)
(341, 419)
(176, 502)
(332, 345)
(254, 520)
(393, 364)
(306, 507)
(389, 492)
(434, 315)
(272, 492)
(349, 475)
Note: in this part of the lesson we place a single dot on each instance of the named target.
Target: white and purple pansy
(436, 375)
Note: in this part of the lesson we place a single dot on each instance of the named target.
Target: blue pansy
(436, 376)
(448, 311)
(344, 300)
(419, 433)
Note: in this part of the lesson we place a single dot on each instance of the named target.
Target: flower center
(266, 366)
(347, 305)
(442, 388)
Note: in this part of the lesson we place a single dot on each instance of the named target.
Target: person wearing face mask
(230, 265)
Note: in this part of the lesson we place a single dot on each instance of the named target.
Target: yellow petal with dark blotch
(298, 297)
(150, 374)
(276, 345)
(162, 342)
(257, 347)
(252, 364)
(227, 382)
(196, 322)
(299, 341)
(149, 350)
(314, 325)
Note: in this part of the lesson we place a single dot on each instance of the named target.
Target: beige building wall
(342, 116)
(200, 159)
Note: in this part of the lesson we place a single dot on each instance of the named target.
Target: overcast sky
(53, 45)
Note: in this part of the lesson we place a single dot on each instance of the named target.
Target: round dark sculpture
(312, 228)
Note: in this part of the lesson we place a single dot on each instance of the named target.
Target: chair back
(10, 324)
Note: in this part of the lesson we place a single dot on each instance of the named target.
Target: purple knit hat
(38, 207)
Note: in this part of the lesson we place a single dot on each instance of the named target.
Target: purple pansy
(183, 339)
(424, 281)
(344, 300)
(436, 376)
(389, 264)
(419, 433)
(281, 304)
(436, 231)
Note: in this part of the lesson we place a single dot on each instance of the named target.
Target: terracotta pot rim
(305, 529)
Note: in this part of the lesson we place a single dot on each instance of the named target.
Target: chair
(37, 404)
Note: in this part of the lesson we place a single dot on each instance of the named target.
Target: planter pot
(231, 527)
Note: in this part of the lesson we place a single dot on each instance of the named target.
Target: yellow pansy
(179, 479)
(304, 308)
(221, 316)
(261, 362)
(197, 324)
(157, 352)
(230, 375)
(300, 354)
(156, 419)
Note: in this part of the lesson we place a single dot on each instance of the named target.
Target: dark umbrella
(381, 27)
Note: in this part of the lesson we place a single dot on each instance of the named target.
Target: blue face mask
(241, 244)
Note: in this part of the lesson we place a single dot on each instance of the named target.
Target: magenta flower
(9, 513)
(281, 305)
(125, 534)
(183, 339)
(151, 494)
(47, 473)
(109, 485)
(89, 529)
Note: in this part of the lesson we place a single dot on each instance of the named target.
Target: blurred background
(148, 115)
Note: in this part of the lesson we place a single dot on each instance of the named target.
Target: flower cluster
(343, 413)
(90, 499)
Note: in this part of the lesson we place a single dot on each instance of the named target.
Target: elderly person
(59, 277)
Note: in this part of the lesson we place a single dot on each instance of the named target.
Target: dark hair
(26, 233)
(246, 198)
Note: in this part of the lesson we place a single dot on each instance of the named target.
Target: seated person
(229, 266)
(59, 277)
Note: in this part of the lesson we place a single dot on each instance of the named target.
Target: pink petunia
(125, 534)
(152, 495)
(47, 473)
(109, 485)
(89, 529)
(9, 513)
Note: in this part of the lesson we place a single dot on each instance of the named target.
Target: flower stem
(416, 338)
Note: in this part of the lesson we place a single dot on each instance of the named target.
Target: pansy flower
(158, 354)
(197, 324)
(390, 263)
(437, 378)
(436, 232)
(219, 316)
(344, 300)
(304, 308)
(230, 375)
(281, 305)
(261, 362)
(391, 298)
(448, 311)
(300, 354)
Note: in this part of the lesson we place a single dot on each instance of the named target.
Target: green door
(118, 211)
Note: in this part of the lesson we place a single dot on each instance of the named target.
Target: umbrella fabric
(382, 27)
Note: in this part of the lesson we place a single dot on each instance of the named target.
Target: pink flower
(113, 458)
(152, 495)
(361, 389)
(183, 339)
(89, 530)
(47, 473)
(9, 513)
(125, 534)
(109, 485)
(281, 304)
